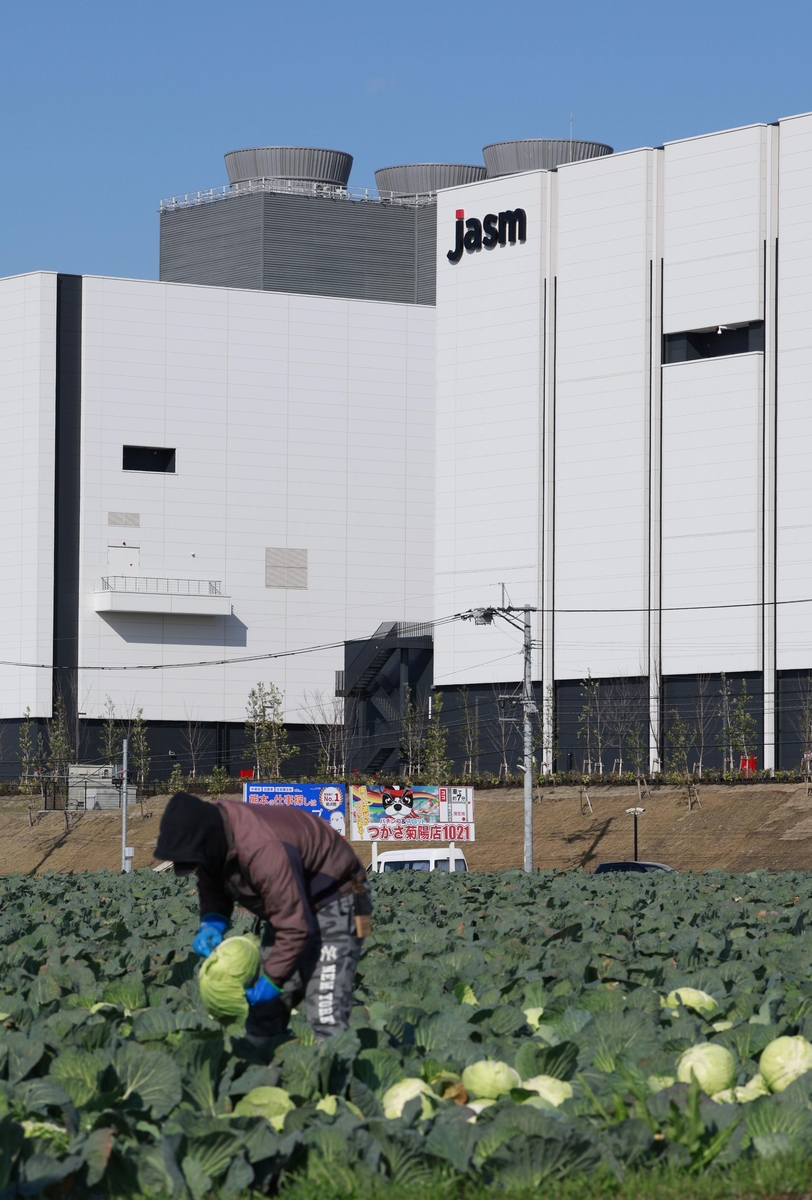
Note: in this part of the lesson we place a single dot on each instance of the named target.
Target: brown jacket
(284, 865)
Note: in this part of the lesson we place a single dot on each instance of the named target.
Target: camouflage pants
(324, 979)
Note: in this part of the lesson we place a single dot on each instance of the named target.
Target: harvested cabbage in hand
(225, 975)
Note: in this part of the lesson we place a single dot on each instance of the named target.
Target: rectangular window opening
(713, 343)
(149, 458)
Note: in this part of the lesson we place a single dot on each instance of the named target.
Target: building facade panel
(712, 515)
(603, 293)
(489, 371)
(272, 460)
(27, 396)
(794, 417)
(715, 212)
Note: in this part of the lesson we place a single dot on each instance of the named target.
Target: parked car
(443, 858)
(640, 868)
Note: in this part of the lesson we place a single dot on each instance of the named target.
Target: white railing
(294, 187)
(161, 587)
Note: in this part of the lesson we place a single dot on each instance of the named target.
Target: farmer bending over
(290, 868)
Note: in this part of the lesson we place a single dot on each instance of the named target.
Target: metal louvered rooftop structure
(415, 179)
(289, 220)
(538, 154)
(331, 168)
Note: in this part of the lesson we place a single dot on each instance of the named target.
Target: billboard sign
(325, 800)
(383, 813)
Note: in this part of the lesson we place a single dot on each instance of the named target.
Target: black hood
(192, 834)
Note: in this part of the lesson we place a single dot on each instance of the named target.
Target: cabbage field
(508, 1030)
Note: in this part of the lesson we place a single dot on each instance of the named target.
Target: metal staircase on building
(373, 669)
(380, 760)
(386, 708)
(376, 682)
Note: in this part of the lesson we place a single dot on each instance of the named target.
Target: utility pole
(529, 707)
(485, 616)
(125, 858)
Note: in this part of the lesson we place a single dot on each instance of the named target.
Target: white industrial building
(607, 411)
(584, 459)
(296, 507)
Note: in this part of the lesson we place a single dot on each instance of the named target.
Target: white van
(446, 858)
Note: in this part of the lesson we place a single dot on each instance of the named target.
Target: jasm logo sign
(497, 229)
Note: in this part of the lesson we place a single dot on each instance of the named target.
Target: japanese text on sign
(420, 833)
(325, 800)
(400, 812)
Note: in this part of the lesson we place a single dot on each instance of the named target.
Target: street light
(485, 616)
(635, 812)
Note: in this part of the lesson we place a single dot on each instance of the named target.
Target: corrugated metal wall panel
(339, 248)
(215, 244)
(305, 245)
(426, 254)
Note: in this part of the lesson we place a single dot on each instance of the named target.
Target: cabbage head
(713, 1066)
(688, 997)
(489, 1080)
(554, 1091)
(533, 1016)
(55, 1135)
(329, 1104)
(399, 1094)
(476, 1107)
(272, 1103)
(751, 1090)
(658, 1083)
(225, 975)
(784, 1060)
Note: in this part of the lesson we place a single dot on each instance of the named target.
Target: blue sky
(107, 107)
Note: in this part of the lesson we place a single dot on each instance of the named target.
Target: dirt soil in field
(738, 828)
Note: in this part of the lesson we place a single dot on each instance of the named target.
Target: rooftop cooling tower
(420, 179)
(538, 154)
(300, 164)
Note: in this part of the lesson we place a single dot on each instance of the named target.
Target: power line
(658, 609)
(220, 662)
(213, 662)
(338, 645)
